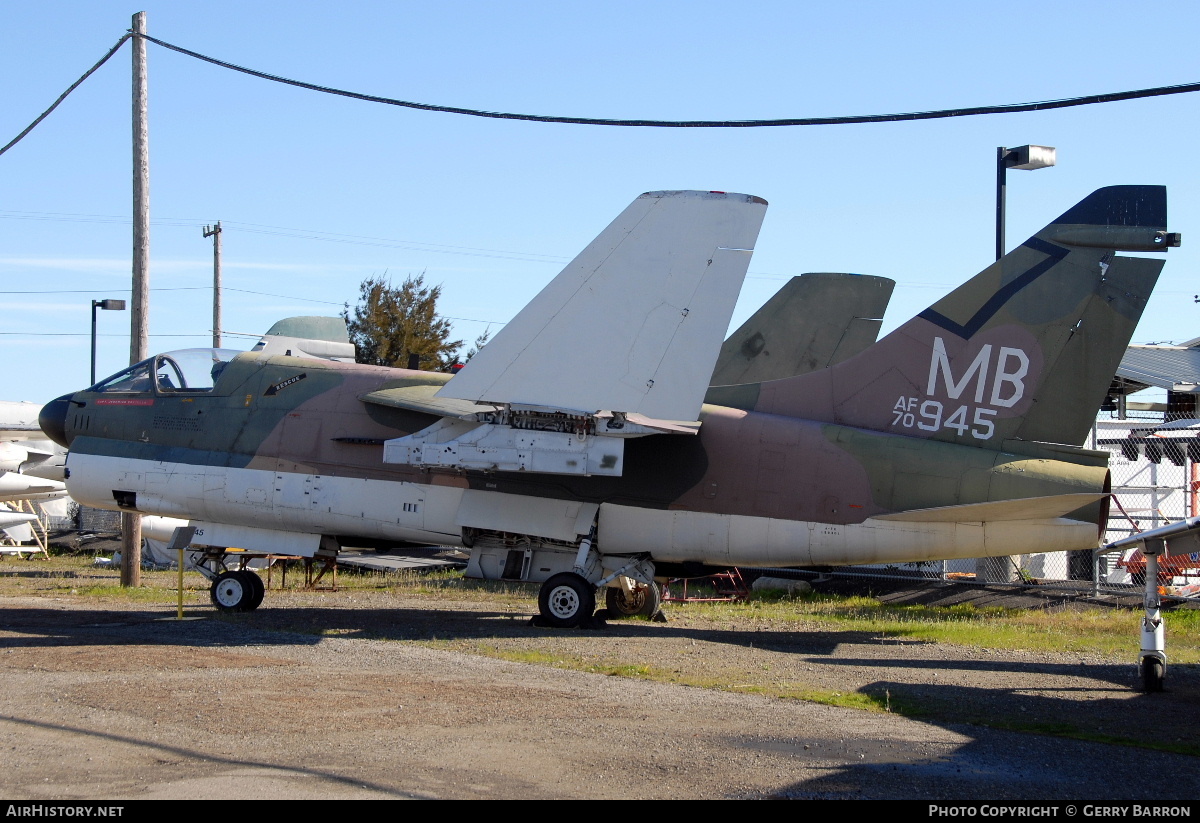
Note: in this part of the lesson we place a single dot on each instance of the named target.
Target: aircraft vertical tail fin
(1025, 350)
(814, 321)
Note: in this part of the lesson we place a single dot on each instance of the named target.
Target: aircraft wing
(635, 322)
(19, 421)
(14, 486)
(422, 399)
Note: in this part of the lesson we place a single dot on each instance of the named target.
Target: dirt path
(121, 702)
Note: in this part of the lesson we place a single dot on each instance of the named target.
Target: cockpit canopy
(190, 371)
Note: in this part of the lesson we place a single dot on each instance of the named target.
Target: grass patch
(1101, 631)
(137, 594)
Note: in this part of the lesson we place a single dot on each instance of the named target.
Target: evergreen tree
(391, 323)
(480, 342)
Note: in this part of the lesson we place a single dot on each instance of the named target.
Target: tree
(480, 342)
(391, 323)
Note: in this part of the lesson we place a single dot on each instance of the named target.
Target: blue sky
(316, 193)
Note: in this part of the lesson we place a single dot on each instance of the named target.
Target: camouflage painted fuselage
(287, 444)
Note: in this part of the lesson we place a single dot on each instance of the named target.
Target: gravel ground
(119, 701)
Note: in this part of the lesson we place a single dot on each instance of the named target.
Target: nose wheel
(566, 600)
(240, 591)
(1152, 671)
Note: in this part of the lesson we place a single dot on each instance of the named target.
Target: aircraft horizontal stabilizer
(1029, 508)
(635, 322)
(1187, 530)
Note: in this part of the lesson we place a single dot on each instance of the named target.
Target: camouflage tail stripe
(1054, 254)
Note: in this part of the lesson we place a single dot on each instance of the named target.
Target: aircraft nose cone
(53, 420)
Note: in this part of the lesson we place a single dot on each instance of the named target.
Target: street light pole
(107, 305)
(1022, 157)
(1001, 183)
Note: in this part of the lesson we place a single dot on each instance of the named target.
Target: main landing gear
(239, 591)
(567, 600)
(640, 600)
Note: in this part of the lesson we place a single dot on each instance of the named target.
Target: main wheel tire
(642, 600)
(1152, 674)
(566, 600)
(231, 592)
(258, 589)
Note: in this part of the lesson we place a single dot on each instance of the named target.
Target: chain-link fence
(1155, 467)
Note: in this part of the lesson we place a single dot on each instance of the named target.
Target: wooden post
(139, 315)
(131, 524)
(215, 233)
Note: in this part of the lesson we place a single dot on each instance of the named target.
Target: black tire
(231, 592)
(643, 600)
(258, 589)
(566, 600)
(1152, 674)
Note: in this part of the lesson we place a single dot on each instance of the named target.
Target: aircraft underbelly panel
(522, 514)
(256, 498)
(739, 540)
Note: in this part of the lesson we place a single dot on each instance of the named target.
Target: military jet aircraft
(30, 465)
(583, 448)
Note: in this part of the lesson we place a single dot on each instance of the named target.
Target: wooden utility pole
(215, 233)
(131, 524)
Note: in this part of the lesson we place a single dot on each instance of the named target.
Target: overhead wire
(1007, 108)
(968, 111)
(63, 96)
(303, 234)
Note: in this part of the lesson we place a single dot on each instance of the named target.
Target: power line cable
(302, 234)
(1008, 108)
(63, 96)
(176, 288)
